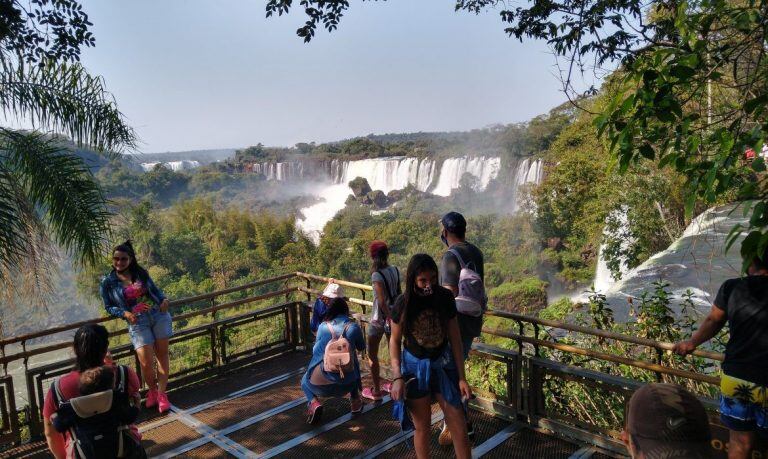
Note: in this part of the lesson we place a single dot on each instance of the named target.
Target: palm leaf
(46, 191)
(64, 98)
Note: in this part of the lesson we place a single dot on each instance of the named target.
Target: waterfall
(394, 173)
(482, 168)
(385, 174)
(528, 171)
(172, 165)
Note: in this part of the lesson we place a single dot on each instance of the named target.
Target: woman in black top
(426, 355)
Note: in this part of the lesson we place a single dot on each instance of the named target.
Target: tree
(690, 92)
(48, 196)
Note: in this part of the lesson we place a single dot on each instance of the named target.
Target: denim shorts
(149, 327)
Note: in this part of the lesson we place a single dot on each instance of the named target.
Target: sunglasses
(120, 259)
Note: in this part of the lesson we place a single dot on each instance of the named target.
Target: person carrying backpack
(462, 272)
(386, 287)
(334, 370)
(99, 419)
(91, 343)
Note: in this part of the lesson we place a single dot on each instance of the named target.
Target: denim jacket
(111, 290)
(355, 337)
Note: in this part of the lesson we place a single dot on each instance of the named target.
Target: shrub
(524, 296)
(557, 310)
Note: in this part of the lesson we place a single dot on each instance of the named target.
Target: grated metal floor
(260, 412)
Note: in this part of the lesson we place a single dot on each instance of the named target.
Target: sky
(205, 74)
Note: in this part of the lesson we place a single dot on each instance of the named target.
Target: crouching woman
(334, 370)
(426, 356)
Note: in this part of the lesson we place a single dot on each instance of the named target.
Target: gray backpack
(471, 300)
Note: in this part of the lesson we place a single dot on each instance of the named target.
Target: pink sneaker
(315, 411)
(163, 404)
(151, 398)
(371, 395)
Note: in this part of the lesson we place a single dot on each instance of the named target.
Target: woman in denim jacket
(319, 383)
(129, 293)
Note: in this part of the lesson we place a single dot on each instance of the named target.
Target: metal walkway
(258, 412)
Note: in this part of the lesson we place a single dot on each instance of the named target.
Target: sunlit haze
(213, 74)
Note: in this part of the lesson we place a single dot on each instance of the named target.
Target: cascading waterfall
(172, 165)
(453, 169)
(394, 173)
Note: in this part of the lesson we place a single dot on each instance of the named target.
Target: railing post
(521, 329)
(535, 335)
(215, 361)
(309, 295)
(362, 293)
(295, 339)
(659, 356)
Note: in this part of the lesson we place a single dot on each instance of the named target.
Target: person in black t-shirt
(743, 304)
(453, 228)
(426, 355)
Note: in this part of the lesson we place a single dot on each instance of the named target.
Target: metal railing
(240, 331)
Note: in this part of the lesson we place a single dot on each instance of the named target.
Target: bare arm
(713, 323)
(55, 441)
(398, 385)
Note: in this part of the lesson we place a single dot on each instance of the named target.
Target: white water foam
(175, 166)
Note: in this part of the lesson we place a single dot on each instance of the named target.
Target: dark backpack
(99, 423)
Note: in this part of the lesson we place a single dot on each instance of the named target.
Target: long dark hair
(419, 263)
(91, 344)
(135, 270)
(337, 306)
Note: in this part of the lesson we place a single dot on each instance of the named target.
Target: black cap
(667, 421)
(454, 222)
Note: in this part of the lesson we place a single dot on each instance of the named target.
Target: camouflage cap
(667, 421)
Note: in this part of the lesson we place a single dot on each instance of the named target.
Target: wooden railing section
(298, 292)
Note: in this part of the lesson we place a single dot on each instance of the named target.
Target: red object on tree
(749, 153)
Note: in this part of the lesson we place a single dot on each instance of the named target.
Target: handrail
(66, 344)
(660, 345)
(642, 364)
(349, 299)
(174, 303)
(335, 281)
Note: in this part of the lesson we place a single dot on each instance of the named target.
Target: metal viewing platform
(238, 355)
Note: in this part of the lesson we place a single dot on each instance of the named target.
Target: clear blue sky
(200, 74)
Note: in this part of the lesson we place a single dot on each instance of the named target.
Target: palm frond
(46, 191)
(64, 98)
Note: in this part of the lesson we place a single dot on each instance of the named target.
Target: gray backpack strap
(58, 397)
(463, 265)
(458, 257)
(386, 284)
